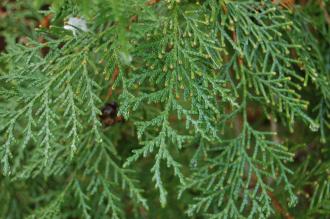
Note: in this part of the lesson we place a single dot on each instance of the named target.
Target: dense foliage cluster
(165, 109)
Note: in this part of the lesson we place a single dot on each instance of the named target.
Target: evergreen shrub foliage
(165, 109)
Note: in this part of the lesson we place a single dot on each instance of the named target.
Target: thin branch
(277, 205)
(113, 79)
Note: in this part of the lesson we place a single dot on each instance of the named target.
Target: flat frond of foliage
(224, 109)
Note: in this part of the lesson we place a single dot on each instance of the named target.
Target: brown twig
(113, 79)
(152, 2)
(326, 14)
(285, 3)
(45, 21)
(277, 205)
(3, 12)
